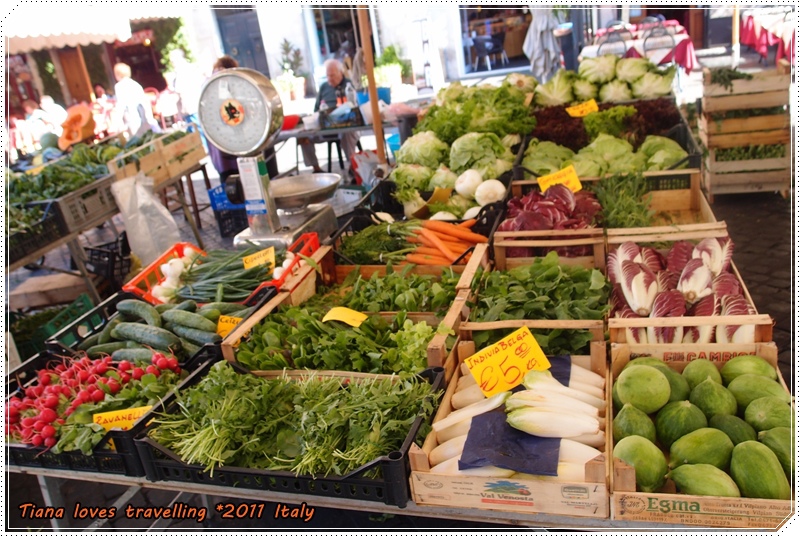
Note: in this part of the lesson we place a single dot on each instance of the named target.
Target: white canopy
(42, 26)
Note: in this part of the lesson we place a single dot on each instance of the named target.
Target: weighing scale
(241, 114)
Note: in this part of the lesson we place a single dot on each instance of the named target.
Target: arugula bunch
(544, 290)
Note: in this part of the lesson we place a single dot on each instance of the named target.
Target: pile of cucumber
(139, 329)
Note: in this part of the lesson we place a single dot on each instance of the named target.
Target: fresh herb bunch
(545, 289)
(748, 112)
(724, 76)
(297, 338)
(220, 276)
(613, 121)
(311, 426)
(21, 219)
(625, 200)
(379, 243)
(750, 152)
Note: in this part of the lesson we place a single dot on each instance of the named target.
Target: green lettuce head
(423, 148)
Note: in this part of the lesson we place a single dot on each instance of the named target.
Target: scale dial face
(240, 111)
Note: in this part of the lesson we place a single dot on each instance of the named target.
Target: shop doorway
(492, 37)
(241, 38)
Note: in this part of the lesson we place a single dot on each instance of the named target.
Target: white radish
(475, 409)
(585, 376)
(457, 429)
(467, 396)
(448, 450)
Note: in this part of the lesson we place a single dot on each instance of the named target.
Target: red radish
(48, 415)
(50, 441)
(44, 378)
(124, 365)
(100, 369)
(114, 386)
(37, 440)
(48, 431)
(161, 363)
(83, 375)
(51, 401)
(153, 370)
(124, 378)
(98, 396)
(28, 422)
(137, 373)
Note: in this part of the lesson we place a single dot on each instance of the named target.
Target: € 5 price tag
(568, 176)
(264, 257)
(226, 324)
(583, 109)
(502, 366)
(345, 315)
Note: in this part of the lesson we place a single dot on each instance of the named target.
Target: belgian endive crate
(620, 329)
(390, 487)
(515, 494)
(668, 506)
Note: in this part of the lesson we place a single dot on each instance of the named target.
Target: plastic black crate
(95, 320)
(231, 221)
(162, 464)
(112, 261)
(45, 232)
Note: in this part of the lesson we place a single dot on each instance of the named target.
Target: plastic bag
(151, 228)
(363, 165)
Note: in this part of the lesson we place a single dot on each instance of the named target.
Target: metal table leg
(51, 494)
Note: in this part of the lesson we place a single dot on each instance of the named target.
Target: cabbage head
(615, 91)
(557, 91)
(411, 176)
(442, 178)
(544, 158)
(475, 150)
(588, 164)
(510, 140)
(632, 69)
(652, 144)
(630, 163)
(584, 90)
(654, 84)
(423, 148)
(609, 148)
(662, 153)
(598, 70)
(524, 82)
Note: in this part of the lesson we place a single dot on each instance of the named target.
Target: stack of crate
(766, 90)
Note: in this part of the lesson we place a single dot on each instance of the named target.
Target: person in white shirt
(132, 101)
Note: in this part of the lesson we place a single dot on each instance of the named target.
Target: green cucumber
(190, 320)
(105, 334)
(161, 308)
(187, 305)
(198, 337)
(148, 335)
(90, 341)
(140, 309)
(189, 348)
(132, 355)
(225, 308)
(105, 348)
(211, 315)
(133, 345)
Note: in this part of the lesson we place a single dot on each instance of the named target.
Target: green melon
(48, 139)
(767, 413)
(781, 441)
(677, 419)
(699, 370)
(630, 421)
(758, 472)
(615, 398)
(713, 398)
(747, 364)
(678, 386)
(703, 446)
(644, 360)
(749, 387)
(647, 460)
(644, 387)
(735, 427)
(704, 480)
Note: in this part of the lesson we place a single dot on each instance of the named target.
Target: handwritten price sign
(226, 324)
(502, 366)
(583, 109)
(568, 176)
(264, 257)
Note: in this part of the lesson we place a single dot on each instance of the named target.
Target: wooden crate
(150, 162)
(667, 506)
(583, 499)
(694, 232)
(766, 89)
(182, 154)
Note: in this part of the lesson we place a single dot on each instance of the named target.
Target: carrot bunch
(442, 243)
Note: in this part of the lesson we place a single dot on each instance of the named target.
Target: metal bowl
(298, 191)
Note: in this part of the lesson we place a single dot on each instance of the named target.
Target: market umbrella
(540, 44)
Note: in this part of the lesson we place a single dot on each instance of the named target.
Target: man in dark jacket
(332, 93)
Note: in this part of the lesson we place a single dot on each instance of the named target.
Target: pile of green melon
(714, 431)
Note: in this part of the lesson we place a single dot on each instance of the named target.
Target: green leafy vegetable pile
(54, 181)
(313, 426)
(21, 219)
(724, 76)
(750, 152)
(543, 290)
(611, 121)
(625, 200)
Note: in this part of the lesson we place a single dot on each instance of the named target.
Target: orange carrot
(425, 250)
(418, 259)
(447, 239)
(437, 242)
(468, 223)
(455, 231)
(455, 247)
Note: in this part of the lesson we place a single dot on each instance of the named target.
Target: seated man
(332, 93)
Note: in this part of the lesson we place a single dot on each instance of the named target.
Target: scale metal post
(241, 114)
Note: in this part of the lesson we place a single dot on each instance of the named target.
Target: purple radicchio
(667, 304)
(726, 284)
(667, 281)
(562, 197)
(650, 257)
(695, 281)
(715, 253)
(632, 334)
(678, 256)
(705, 307)
(727, 333)
(627, 251)
(639, 286)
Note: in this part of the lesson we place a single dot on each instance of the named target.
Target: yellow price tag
(502, 366)
(583, 109)
(264, 257)
(568, 176)
(226, 324)
(345, 315)
(120, 419)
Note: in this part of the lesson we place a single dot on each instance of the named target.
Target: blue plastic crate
(219, 200)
